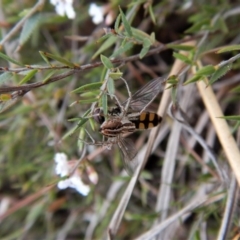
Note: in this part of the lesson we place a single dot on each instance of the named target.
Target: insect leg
(129, 98)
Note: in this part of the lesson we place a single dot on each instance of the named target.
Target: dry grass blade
(199, 199)
(163, 200)
(225, 136)
(229, 210)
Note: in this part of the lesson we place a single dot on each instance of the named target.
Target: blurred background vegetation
(35, 124)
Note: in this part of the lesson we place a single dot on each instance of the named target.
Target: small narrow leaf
(45, 58)
(234, 117)
(80, 142)
(92, 123)
(88, 87)
(117, 23)
(193, 79)
(173, 79)
(219, 73)
(152, 15)
(223, 26)
(111, 87)
(199, 25)
(229, 48)
(60, 59)
(143, 52)
(104, 104)
(182, 57)
(90, 94)
(49, 75)
(80, 123)
(126, 24)
(29, 76)
(141, 35)
(106, 62)
(7, 58)
(206, 71)
(124, 48)
(90, 100)
(146, 45)
(115, 75)
(107, 44)
(73, 130)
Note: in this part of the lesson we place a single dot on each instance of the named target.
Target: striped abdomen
(146, 120)
(113, 128)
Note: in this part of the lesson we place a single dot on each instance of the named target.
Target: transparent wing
(143, 97)
(129, 154)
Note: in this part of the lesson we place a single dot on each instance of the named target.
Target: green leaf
(92, 124)
(181, 47)
(29, 76)
(206, 70)
(7, 58)
(152, 15)
(80, 143)
(123, 48)
(182, 58)
(198, 25)
(115, 75)
(222, 25)
(234, 117)
(125, 23)
(143, 52)
(45, 58)
(49, 75)
(60, 59)
(90, 94)
(173, 79)
(229, 48)
(106, 62)
(104, 104)
(90, 100)
(219, 73)
(111, 87)
(5, 77)
(107, 44)
(80, 123)
(117, 23)
(146, 45)
(88, 87)
(31, 25)
(141, 35)
(193, 79)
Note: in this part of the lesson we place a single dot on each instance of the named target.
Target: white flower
(64, 168)
(75, 182)
(63, 7)
(96, 13)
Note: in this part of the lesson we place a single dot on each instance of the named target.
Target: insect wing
(129, 154)
(143, 97)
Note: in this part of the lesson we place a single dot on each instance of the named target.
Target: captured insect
(127, 117)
